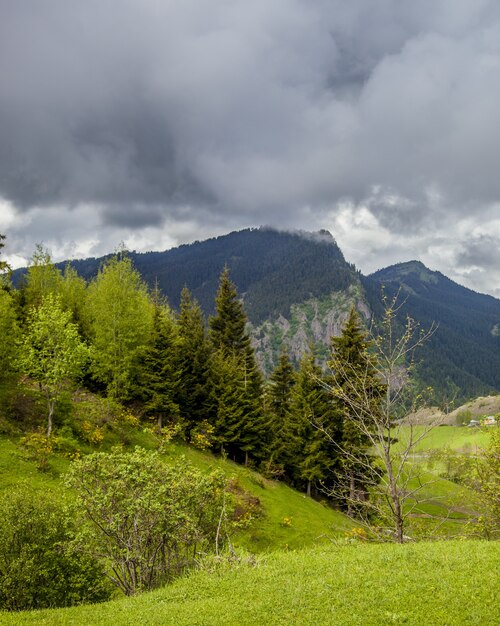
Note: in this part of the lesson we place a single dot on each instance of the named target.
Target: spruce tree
(159, 376)
(285, 443)
(193, 364)
(319, 422)
(358, 392)
(231, 343)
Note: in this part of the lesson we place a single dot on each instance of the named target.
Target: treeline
(195, 379)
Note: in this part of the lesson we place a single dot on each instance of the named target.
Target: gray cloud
(202, 116)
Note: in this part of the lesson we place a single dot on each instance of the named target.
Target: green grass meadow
(423, 584)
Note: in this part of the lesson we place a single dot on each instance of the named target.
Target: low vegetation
(414, 584)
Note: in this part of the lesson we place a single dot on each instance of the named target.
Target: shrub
(147, 519)
(38, 566)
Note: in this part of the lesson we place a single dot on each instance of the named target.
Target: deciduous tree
(53, 353)
(120, 314)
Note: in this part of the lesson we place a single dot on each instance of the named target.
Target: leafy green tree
(42, 278)
(489, 486)
(72, 289)
(38, 566)
(232, 347)
(9, 337)
(319, 422)
(120, 318)
(146, 519)
(53, 353)
(193, 364)
(359, 393)
(159, 376)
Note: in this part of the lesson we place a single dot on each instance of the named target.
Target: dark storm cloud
(480, 251)
(241, 113)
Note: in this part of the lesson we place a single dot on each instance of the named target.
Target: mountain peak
(399, 271)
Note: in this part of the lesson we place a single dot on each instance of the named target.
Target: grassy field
(438, 584)
(459, 438)
(283, 518)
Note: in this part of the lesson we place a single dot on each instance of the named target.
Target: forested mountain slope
(298, 288)
(465, 349)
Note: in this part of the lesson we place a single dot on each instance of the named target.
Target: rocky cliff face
(310, 323)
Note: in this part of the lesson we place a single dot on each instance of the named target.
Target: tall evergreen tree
(158, 375)
(354, 377)
(193, 364)
(231, 344)
(285, 443)
(319, 422)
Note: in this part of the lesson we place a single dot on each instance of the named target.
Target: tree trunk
(352, 494)
(246, 458)
(51, 413)
(160, 423)
(308, 492)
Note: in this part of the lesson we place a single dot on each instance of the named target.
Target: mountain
(298, 288)
(464, 352)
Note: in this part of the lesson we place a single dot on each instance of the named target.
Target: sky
(160, 122)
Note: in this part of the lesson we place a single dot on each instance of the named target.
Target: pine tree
(231, 343)
(159, 376)
(319, 420)
(358, 391)
(193, 364)
(285, 443)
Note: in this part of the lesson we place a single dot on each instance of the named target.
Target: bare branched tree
(374, 391)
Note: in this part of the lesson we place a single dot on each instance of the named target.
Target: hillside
(464, 353)
(298, 288)
(263, 504)
(426, 583)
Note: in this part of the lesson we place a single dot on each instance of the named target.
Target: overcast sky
(158, 122)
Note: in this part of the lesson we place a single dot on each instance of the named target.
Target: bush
(148, 520)
(38, 566)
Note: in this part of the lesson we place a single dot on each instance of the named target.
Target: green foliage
(192, 364)
(489, 487)
(237, 382)
(42, 279)
(9, 337)
(72, 290)
(38, 565)
(120, 315)
(53, 353)
(285, 446)
(158, 375)
(148, 520)
(320, 427)
(358, 392)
